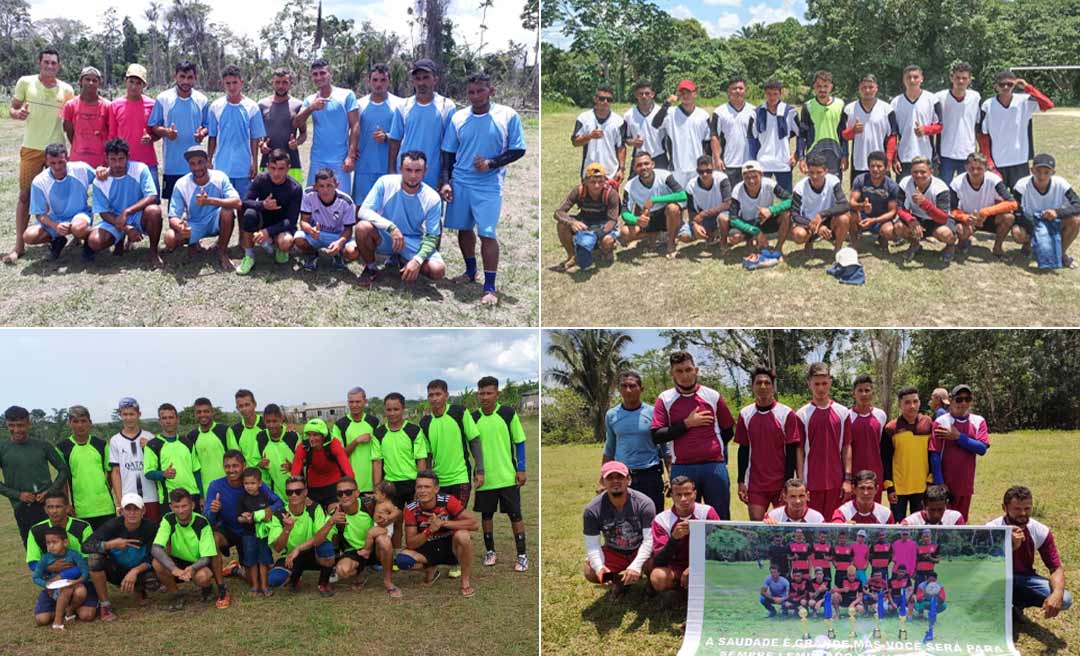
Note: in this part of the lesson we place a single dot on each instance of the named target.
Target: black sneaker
(206, 595)
(56, 246)
(87, 253)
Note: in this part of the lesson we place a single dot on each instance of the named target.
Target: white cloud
(763, 13)
(723, 3)
(723, 25)
(681, 12)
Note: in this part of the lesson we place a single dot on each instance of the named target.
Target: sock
(519, 541)
(220, 590)
(324, 575)
(249, 252)
(489, 541)
(470, 267)
(489, 281)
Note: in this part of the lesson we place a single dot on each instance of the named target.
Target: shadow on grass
(661, 614)
(1051, 643)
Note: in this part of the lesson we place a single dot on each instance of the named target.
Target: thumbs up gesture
(318, 103)
(170, 472)
(859, 126)
(202, 198)
(171, 134)
(270, 203)
(215, 505)
(918, 129)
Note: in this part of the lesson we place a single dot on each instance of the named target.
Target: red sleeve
(838, 517)
(342, 457)
(961, 521)
(741, 435)
(409, 517)
(454, 507)
(892, 520)
(905, 215)
(935, 212)
(848, 134)
(1049, 553)
(659, 417)
(984, 147)
(792, 429)
(932, 129)
(890, 148)
(1044, 102)
(723, 417)
(298, 461)
(659, 536)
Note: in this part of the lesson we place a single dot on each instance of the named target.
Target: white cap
(131, 498)
(847, 256)
(752, 165)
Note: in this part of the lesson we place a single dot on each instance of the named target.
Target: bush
(564, 419)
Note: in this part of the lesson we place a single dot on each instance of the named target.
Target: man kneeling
(625, 516)
(437, 532)
(671, 533)
(184, 550)
(127, 202)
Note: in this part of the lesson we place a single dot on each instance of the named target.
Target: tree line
(1022, 379)
(620, 41)
(298, 33)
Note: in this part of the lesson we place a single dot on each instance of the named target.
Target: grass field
(127, 292)
(579, 619)
(500, 619)
(701, 287)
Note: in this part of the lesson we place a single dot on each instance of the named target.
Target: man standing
(771, 131)
(629, 441)
(204, 203)
(438, 532)
(420, 121)
(128, 118)
(335, 126)
(477, 146)
(354, 431)
(959, 438)
(376, 112)
(959, 121)
(250, 425)
(939, 402)
(399, 450)
(698, 423)
(984, 202)
(687, 127)
(271, 212)
(278, 113)
(127, 202)
(179, 118)
(601, 136)
(730, 129)
(452, 434)
(88, 461)
(211, 440)
(870, 126)
(46, 96)
(236, 129)
(502, 440)
(768, 434)
(170, 460)
(126, 462)
(671, 532)
(273, 450)
(598, 212)
(624, 516)
(865, 429)
(25, 465)
(86, 120)
(59, 202)
(118, 552)
(1030, 590)
(821, 127)
(1005, 126)
(904, 454)
(1049, 211)
(824, 456)
(640, 133)
(918, 117)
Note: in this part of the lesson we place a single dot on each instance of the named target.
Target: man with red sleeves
(918, 117)
(799, 553)
(697, 422)
(959, 437)
(926, 205)
(866, 430)
(768, 434)
(671, 537)
(823, 459)
(1005, 126)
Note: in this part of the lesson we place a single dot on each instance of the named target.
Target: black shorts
(990, 224)
(657, 220)
(404, 492)
(305, 561)
(323, 495)
(181, 563)
(252, 221)
(352, 554)
(232, 539)
(115, 573)
(169, 181)
(439, 551)
(1010, 175)
(504, 499)
(930, 226)
(459, 490)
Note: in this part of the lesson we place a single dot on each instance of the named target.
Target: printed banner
(847, 590)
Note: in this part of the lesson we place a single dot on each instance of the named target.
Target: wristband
(780, 206)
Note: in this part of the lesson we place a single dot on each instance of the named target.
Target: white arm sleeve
(367, 214)
(643, 552)
(593, 553)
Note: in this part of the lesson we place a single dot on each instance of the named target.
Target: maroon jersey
(874, 586)
(767, 433)
(701, 443)
(823, 446)
(898, 583)
(797, 590)
(864, 435)
(821, 555)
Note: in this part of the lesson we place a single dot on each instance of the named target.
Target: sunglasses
(345, 493)
(605, 99)
(295, 492)
(1006, 85)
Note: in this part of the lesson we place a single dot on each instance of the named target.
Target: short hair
(643, 153)
(642, 84)
(415, 155)
(346, 479)
(865, 475)
(862, 379)
(869, 77)
(921, 159)
(823, 75)
(277, 155)
(232, 70)
(1004, 74)
(394, 396)
(272, 409)
(877, 156)
(960, 67)
(202, 400)
(678, 357)
(233, 454)
(49, 50)
(244, 393)
(167, 407)
(56, 494)
(380, 68)
(772, 567)
(704, 159)
(281, 71)
(794, 482)
(78, 411)
(774, 84)
(438, 383)
(357, 390)
(762, 370)
(479, 77)
(1016, 492)
(117, 146)
(296, 479)
(56, 532)
(606, 88)
(935, 493)
(904, 391)
(623, 375)
(911, 68)
(428, 474)
(185, 66)
(735, 79)
(319, 62)
(386, 487)
(818, 160)
(818, 369)
(179, 494)
(16, 413)
(56, 150)
(977, 157)
(325, 173)
(680, 480)
(487, 381)
(252, 472)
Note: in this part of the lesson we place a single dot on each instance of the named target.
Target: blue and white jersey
(330, 143)
(183, 197)
(114, 195)
(188, 115)
(487, 135)
(61, 200)
(414, 215)
(234, 126)
(421, 127)
(375, 116)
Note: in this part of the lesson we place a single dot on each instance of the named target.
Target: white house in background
(530, 403)
(328, 412)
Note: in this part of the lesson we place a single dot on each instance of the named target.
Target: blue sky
(722, 17)
(96, 367)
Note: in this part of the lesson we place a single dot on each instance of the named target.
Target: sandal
(468, 591)
(394, 592)
(436, 577)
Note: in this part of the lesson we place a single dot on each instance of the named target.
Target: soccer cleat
(105, 613)
(177, 602)
(223, 600)
(395, 261)
(56, 246)
(246, 265)
(326, 591)
(232, 568)
(455, 572)
(489, 558)
(522, 563)
(338, 262)
(281, 257)
(311, 263)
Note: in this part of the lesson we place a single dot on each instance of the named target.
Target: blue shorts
(344, 179)
(241, 185)
(132, 220)
(412, 245)
(874, 229)
(474, 208)
(54, 234)
(362, 184)
(324, 240)
(211, 228)
(255, 550)
(46, 599)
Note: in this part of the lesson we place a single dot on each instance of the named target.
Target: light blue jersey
(375, 116)
(183, 198)
(421, 127)
(188, 115)
(414, 214)
(234, 126)
(487, 135)
(629, 438)
(330, 141)
(114, 195)
(62, 200)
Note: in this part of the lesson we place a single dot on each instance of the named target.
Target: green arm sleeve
(630, 218)
(677, 197)
(782, 206)
(743, 226)
(427, 247)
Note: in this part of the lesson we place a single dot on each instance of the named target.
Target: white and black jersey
(709, 202)
(688, 134)
(637, 125)
(879, 123)
(637, 192)
(1059, 196)
(969, 200)
(924, 110)
(959, 121)
(745, 206)
(604, 150)
(1009, 128)
(770, 136)
(732, 127)
(807, 202)
(938, 192)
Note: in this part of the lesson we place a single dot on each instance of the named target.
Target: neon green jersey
(347, 430)
(499, 432)
(210, 448)
(399, 450)
(244, 436)
(448, 437)
(163, 452)
(190, 542)
(89, 464)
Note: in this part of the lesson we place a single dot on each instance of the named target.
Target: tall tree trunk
(433, 18)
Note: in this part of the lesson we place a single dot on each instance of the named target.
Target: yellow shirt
(911, 459)
(44, 123)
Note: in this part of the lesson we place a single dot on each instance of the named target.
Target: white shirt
(705, 199)
(637, 193)
(775, 139)
(814, 202)
(781, 517)
(687, 135)
(876, 129)
(127, 454)
(970, 199)
(959, 119)
(922, 111)
(733, 125)
(1033, 203)
(1009, 128)
(748, 205)
(936, 187)
(606, 149)
(639, 125)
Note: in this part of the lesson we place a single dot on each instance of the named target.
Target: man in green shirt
(354, 433)
(184, 550)
(25, 465)
(503, 441)
(301, 537)
(56, 509)
(211, 441)
(170, 460)
(272, 449)
(250, 425)
(398, 451)
(352, 523)
(820, 127)
(87, 458)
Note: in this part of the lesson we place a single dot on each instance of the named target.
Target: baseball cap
(1044, 159)
(861, 533)
(90, 70)
(197, 149)
(127, 402)
(847, 256)
(584, 244)
(136, 70)
(425, 65)
(131, 499)
(752, 165)
(686, 84)
(596, 168)
(962, 387)
(316, 426)
(613, 467)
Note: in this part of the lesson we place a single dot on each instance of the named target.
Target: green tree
(589, 362)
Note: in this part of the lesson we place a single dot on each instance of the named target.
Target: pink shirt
(127, 120)
(862, 555)
(905, 552)
(700, 444)
(91, 125)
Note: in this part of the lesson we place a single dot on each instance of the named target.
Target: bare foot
(224, 262)
(155, 259)
(566, 264)
(489, 298)
(14, 255)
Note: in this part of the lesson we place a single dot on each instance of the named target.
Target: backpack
(309, 452)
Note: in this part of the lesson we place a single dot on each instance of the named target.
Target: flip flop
(468, 591)
(438, 575)
(394, 592)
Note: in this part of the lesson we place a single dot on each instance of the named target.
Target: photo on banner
(743, 599)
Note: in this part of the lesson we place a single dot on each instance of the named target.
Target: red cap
(613, 467)
(686, 84)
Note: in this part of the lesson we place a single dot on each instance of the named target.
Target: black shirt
(288, 195)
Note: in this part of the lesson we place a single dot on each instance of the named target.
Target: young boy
(255, 515)
(127, 473)
(53, 605)
(385, 514)
(327, 217)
